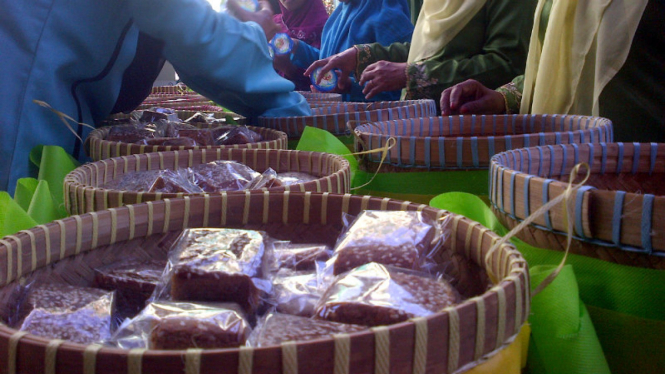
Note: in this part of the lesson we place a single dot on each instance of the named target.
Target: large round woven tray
(441, 343)
(98, 148)
(336, 120)
(619, 212)
(469, 142)
(83, 191)
(320, 96)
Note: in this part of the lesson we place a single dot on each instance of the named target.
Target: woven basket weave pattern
(469, 142)
(83, 192)
(619, 213)
(336, 122)
(100, 149)
(441, 343)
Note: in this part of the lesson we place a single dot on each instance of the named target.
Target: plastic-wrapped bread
(223, 265)
(397, 238)
(229, 135)
(375, 294)
(223, 176)
(174, 181)
(183, 325)
(78, 314)
(276, 328)
(133, 133)
(133, 281)
(170, 141)
(296, 292)
(297, 256)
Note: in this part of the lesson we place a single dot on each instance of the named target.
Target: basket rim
(75, 178)
(511, 261)
(501, 171)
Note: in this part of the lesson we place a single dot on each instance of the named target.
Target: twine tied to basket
(567, 197)
(390, 143)
(63, 117)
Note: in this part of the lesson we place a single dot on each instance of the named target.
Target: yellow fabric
(585, 45)
(438, 23)
(509, 360)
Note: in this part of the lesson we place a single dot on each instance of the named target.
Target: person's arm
(303, 54)
(502, 56)
(374, 52)
(219, 56)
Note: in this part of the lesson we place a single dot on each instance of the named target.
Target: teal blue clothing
(359, 22)
(76, 55)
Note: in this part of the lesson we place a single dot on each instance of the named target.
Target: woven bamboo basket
(176, 89)
(98, 148)
(469, 142)
(320, 96)
(619, 212)
(444, 342)
(336, 121)
(83, 191)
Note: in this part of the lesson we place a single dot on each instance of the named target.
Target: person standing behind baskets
(354, 22)
(602, 58)
(454, 40)
(302, 20)
(88, 59)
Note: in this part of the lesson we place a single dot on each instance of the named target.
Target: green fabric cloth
(624, 303)
(635, 97)
(492, 49)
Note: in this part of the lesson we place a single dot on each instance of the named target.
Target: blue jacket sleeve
(304, 55)
(219, 56)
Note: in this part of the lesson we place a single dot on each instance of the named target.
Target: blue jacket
(74, 54)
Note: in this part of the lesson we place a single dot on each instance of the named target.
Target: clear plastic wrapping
(299, 256)
(228, 135)
(404, 239)
(133, 281)
(182, 325)
(157, 114)
(223, 176)
(276, 328)
(294, 177)
(295, 292)
(133, 133)
(375, 294)
(222, 265)
(59, 311)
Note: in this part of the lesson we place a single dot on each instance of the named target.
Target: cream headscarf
(586, 43)
(438, 23)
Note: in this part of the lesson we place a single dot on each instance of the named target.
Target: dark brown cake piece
(131, 133)
(375, 295)
(277, 328)
(300, 256)
(219, 265)
(133, 281)
(202, 137)
(209, 328)
(397, 238)
(236, 135)
(174, 181)
(138, 181)
(57, 311)
(223, 176)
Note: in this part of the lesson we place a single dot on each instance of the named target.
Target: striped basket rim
(440, 343)
(336, 123)
(83, 193)
(605, 215)
(100, 149)
(469, 142)
(320, 96)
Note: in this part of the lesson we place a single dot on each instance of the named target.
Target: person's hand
(263, 17)
(343, 62)
(471, 97)
(383, 76)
